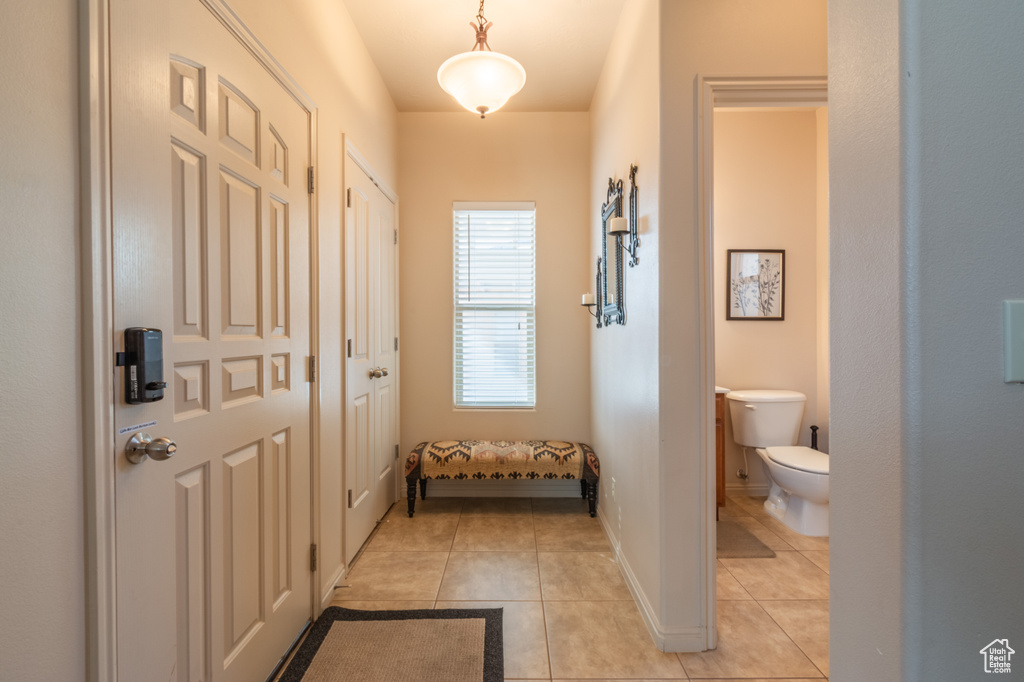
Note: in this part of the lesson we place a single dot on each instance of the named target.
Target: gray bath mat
(736, 542)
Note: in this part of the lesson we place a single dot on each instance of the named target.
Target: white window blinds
(495, 336)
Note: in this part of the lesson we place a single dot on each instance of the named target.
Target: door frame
(726, 92)
(97, 326)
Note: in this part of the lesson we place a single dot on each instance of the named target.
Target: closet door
(371, 452)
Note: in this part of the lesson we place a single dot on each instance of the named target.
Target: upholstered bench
(502, 460)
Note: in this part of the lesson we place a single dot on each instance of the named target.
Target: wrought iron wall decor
(611, 305)
(634, 219)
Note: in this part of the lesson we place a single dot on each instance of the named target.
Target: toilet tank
(764, 418)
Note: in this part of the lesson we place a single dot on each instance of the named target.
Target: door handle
(376, 373)
(384, 371)
(143, 445)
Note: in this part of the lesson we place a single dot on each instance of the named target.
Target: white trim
(528, 488)
(97, 342)
(248, 39)
(753, 490)
(690, 639)
(374, 176)
(718, 92)
(494, 206)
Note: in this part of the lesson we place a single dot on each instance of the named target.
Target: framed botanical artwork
(755, 284)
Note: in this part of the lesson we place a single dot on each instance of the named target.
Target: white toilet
(769, 421)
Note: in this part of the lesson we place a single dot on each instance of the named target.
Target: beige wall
(42, 620)
(540, 157)
(725, 37)
(766, 197)
(821, 236)
(624, 363)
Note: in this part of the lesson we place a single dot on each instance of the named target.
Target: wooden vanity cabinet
(720, 448)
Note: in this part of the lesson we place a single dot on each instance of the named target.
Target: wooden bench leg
(583, 488)
(423, 488)
(592, 498)
(410, 490)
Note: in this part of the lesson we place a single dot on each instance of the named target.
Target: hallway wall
(42, 560)
(540, 157)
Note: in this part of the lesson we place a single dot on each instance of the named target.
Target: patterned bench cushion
(499, 460)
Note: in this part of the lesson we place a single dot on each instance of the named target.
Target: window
(495, 334)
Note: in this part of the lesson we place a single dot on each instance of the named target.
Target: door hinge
(312, 368)
(309, 179)
(396, 450)
(350, 347)
(348, 197)
(312, 557)
(396, 343)
(396, 236)
(349, 499)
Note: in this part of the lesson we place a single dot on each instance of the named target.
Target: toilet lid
(800, 458)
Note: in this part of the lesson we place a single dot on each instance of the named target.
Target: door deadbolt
(143, 445)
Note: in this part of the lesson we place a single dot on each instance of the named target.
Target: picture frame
(755, 284)
(612, 305)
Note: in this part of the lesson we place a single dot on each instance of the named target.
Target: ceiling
(561, 43)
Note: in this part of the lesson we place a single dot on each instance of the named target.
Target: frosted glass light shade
(481, 81)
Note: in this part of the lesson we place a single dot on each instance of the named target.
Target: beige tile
(383, 605)
(731, 510)
(770, 539)
(569, 532)
(421, 533)
(728, 588)
(819, 557)
(492, 576)
(662, 679)
(589, 639)
(759, 679)
(790, 575)
(806, 623)
(431, 505)
(798, 541)
(581, 576)
(490, 506)
(750, 504)
(523, 634)
(390, 576)
(510, 533)
(750, 644)
(561, 505)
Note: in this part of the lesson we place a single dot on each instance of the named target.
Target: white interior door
(212, 246)
(371, 371)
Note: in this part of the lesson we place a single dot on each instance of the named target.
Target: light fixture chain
(480, 18)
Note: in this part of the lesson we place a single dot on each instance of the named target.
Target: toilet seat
(800, 458)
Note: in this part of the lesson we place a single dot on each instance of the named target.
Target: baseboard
(666, 639)
(520, 488)
(754, 490)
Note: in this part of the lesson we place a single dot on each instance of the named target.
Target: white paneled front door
(371, 399)
(212, 246)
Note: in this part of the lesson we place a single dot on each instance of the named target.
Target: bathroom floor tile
(570, 532)
(798, 541)
(806, 623)
(818, 557)
(581, 576)
(750, 644)
(512, 533)
(394, 576)
(523, 635)
(561, 505)
(421, 533)
(727, 587)
(762, 533)
(491, 576)
(790, 575)
(604, 640)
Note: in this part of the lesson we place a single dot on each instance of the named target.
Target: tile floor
(568, 614)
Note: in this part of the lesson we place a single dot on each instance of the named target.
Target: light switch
(1013, 343)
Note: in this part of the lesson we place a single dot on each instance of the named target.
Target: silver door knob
(376, 373)
(143, 445)
(384, 371)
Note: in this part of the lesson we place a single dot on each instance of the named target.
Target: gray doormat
(423, 645)
(736, 542)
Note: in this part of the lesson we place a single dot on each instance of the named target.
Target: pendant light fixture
(481, 80)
